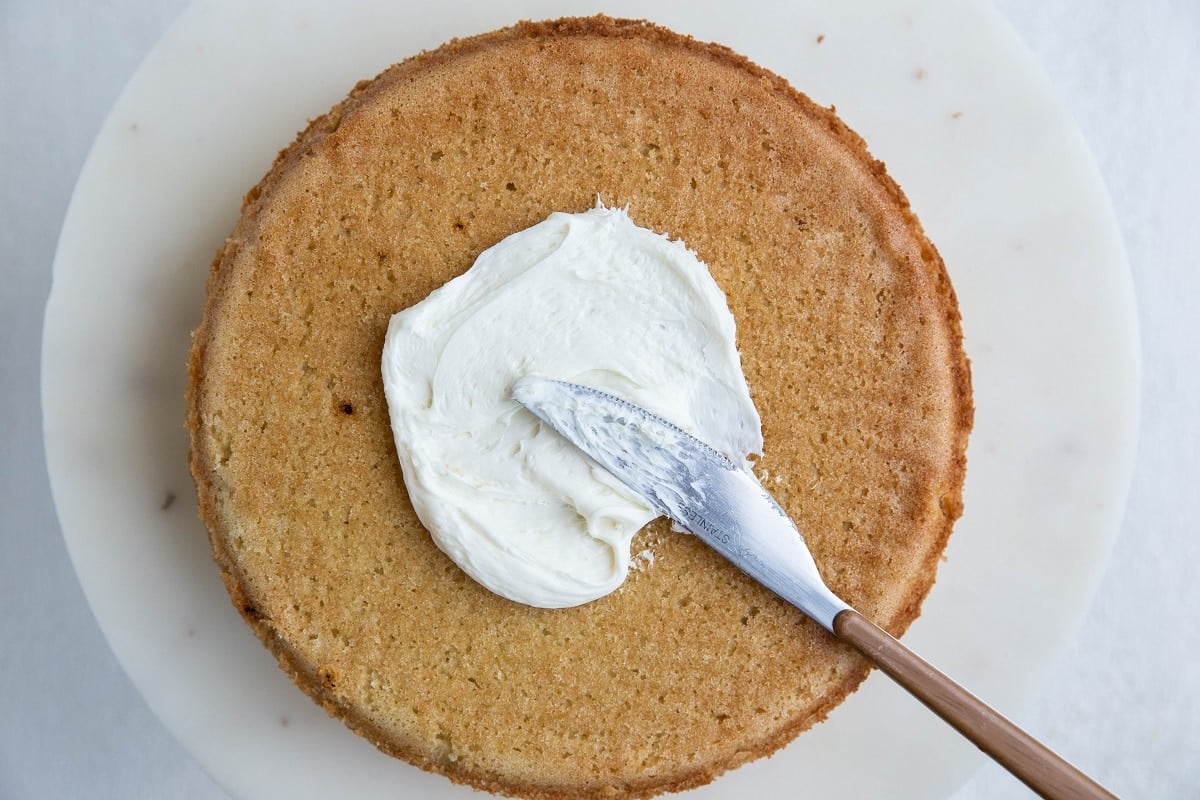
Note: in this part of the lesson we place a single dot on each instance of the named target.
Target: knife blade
(691, 483)
(723, 504)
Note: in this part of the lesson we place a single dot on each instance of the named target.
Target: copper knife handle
(1032, 762)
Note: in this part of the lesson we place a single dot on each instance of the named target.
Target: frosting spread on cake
(589, 298)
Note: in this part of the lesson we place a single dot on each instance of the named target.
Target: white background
(1124, 700)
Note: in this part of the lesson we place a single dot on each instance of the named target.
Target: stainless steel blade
(689, 482)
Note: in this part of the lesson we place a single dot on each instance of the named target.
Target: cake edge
(220, 528)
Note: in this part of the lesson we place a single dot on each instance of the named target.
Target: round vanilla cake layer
(849, 339)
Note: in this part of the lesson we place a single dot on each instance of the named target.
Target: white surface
(943, 93)
(73, 727)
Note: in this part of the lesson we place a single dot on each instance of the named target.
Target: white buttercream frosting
(589, 298)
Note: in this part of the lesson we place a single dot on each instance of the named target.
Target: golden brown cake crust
(850, 340)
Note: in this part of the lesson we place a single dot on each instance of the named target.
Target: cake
(850, 342)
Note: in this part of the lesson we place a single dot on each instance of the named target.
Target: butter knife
(727, 508)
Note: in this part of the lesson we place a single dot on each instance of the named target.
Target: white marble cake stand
(942, 91)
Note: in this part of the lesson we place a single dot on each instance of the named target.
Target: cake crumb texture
(850, 342)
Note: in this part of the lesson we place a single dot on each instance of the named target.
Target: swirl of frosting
(589, 298)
